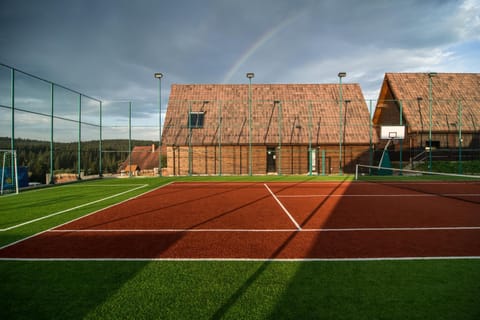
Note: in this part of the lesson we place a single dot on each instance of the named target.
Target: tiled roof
(452, 94)
(145, 157)
(294, 113)
(131, 168)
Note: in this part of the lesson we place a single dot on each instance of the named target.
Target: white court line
(94, 212)
(382, 195)
(390, 229)
(283, 208)
(171, 230)
(103, 185)
(251, 259)
(260, 230)
(73, 208)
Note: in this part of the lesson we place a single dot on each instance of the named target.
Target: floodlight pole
(340, 102)
(280, 119)
(100, 146)
(159, 76)
(130, 139)
(430, 75)
(401, 141)
(310, 156)
(460, 138)
(250, 75)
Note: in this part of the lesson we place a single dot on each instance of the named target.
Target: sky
(110, 49)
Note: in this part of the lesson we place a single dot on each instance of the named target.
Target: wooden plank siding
(287, 118)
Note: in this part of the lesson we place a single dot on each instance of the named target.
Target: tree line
(35, 155)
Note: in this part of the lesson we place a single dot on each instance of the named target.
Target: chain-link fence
(319, 136)
(61, 134)
(268, 136)
(441, 134)
(131, 136)
(55, 130)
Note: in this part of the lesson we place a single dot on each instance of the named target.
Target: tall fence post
(219, 138)
(370, 133)
(190, 155)
(130, 153)
(250, 125)
(100, 152)
(12, 88)
(310, 155)
(401, 140)
(52, 154)
(79, 149)
(460, 139)
(280, 118)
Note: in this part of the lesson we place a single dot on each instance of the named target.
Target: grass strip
(431, 289)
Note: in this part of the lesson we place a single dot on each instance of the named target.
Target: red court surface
(334, 220)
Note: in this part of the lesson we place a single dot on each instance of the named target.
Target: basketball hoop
(392, 134)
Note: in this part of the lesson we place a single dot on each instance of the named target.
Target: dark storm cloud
(110, 49)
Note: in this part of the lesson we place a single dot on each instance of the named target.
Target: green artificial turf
(419, 289)
(60, 202)
(434, 289)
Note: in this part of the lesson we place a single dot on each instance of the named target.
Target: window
(196, 119)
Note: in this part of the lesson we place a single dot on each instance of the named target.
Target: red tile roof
(295, 113)
(145, 157)
(452, 93)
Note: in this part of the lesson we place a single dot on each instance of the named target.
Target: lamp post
(430, 102)
(250, 75)
(460, 139)
(279, 104)
(340, 102)
(159, 76)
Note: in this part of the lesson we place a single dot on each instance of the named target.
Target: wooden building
(143, 160)
(215, 129)
(444, 105)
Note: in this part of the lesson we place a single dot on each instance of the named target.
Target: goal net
(9, 172)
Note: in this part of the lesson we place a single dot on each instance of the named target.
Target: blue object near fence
(9, 183)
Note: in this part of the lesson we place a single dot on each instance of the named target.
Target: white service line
(260, 230)
(283, 208)
(71, 209)
(171, 230)
(381, 195)
(390, 229)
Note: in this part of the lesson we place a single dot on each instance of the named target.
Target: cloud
(110, 49)
(467, 20)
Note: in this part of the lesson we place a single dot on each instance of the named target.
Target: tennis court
(274, 220)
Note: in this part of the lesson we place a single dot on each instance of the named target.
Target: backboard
(392, 132)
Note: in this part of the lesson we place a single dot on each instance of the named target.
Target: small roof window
(196, 119)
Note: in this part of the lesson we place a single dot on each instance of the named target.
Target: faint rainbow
(259, 43)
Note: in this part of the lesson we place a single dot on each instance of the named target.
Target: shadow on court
(223, 310)
(380, 289)
(366, 289)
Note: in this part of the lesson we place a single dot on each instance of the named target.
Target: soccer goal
(9, 173)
